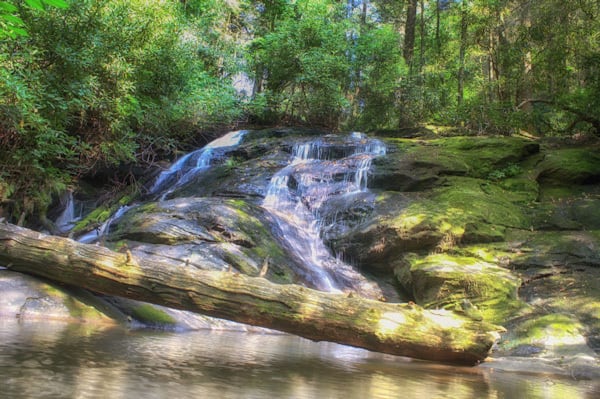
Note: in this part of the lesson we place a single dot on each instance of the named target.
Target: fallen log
(398, 329)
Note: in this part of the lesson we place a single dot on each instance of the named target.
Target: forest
(108, 85)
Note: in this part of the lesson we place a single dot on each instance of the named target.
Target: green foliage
(98, 84)
(93, 84)
(511, 170)
(305, 62)
(379, 63)
(12, 25)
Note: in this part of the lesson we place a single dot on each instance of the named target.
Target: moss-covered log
(399, 329)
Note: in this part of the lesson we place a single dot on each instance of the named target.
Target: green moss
(80, 304)
(522, 189)
(569, 166)
(477, 156)
(550, 329)
(94, 218)
(105, 211)
(465, 284)
(149, 314)
(466, 210)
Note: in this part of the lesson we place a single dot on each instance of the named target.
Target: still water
(53, 360)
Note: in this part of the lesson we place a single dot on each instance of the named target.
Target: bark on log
(398, 329)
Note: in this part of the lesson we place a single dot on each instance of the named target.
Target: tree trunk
(438, 40)
(461, 55)
(398, 329)
(409, 32)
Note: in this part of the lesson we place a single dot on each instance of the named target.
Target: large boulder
(480, 289)
(208, 233)
(27, 299)
(418, 165)
(463, 210)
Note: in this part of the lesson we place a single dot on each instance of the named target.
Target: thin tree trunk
(461, 55)
(399, 329)
(409, 32)
(422, 39)
(438, 40)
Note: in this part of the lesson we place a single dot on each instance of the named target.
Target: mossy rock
(28, 298)
(477, 156)
(559, 333)
(473, 201)
(93, 219)
(205, 232)
(569, 166)
(464, 211)
(479, 289)
(554, 248)
(151, 315)
(576, 212)
(102, 213)
(535, 250)
(523, 189)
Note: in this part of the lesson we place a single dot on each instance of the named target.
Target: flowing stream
(55, 360)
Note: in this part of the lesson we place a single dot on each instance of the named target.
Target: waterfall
(96, 234)
(321, 190)
(318, 171)
(181, 172)
(188, 166)
(67, 218)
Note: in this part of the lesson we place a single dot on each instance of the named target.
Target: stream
(56, 360)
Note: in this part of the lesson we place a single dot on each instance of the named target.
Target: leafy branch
(11, 23)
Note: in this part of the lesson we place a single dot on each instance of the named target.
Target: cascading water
(188, 166)
(319, 170)
(181, 172)
(67, 218)
(321, 174)
(97, 234)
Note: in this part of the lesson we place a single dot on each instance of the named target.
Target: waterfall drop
(188, 166)
(319, 171)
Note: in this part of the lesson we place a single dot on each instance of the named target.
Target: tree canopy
(91, 84)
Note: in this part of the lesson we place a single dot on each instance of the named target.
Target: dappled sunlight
(390, 321)
(409, 221)
(309, 309)
(443, 318)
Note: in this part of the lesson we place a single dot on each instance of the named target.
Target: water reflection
(65, 361)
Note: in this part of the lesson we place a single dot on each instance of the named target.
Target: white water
(67, 218)
(96, 234)
(188, 166)
(320, 169)
(182, 171)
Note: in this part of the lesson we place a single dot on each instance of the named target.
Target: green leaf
(37, 4)
(19, 31)
(7, 7)
(13, 20)
(57, 3)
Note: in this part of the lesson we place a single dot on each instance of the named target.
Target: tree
(303, 64)
(409, 32)
(99, 85)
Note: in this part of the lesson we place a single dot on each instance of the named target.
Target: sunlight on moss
(390, 321)
(444, 318)
(412, 220)
(147, 313)
(549, 330)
